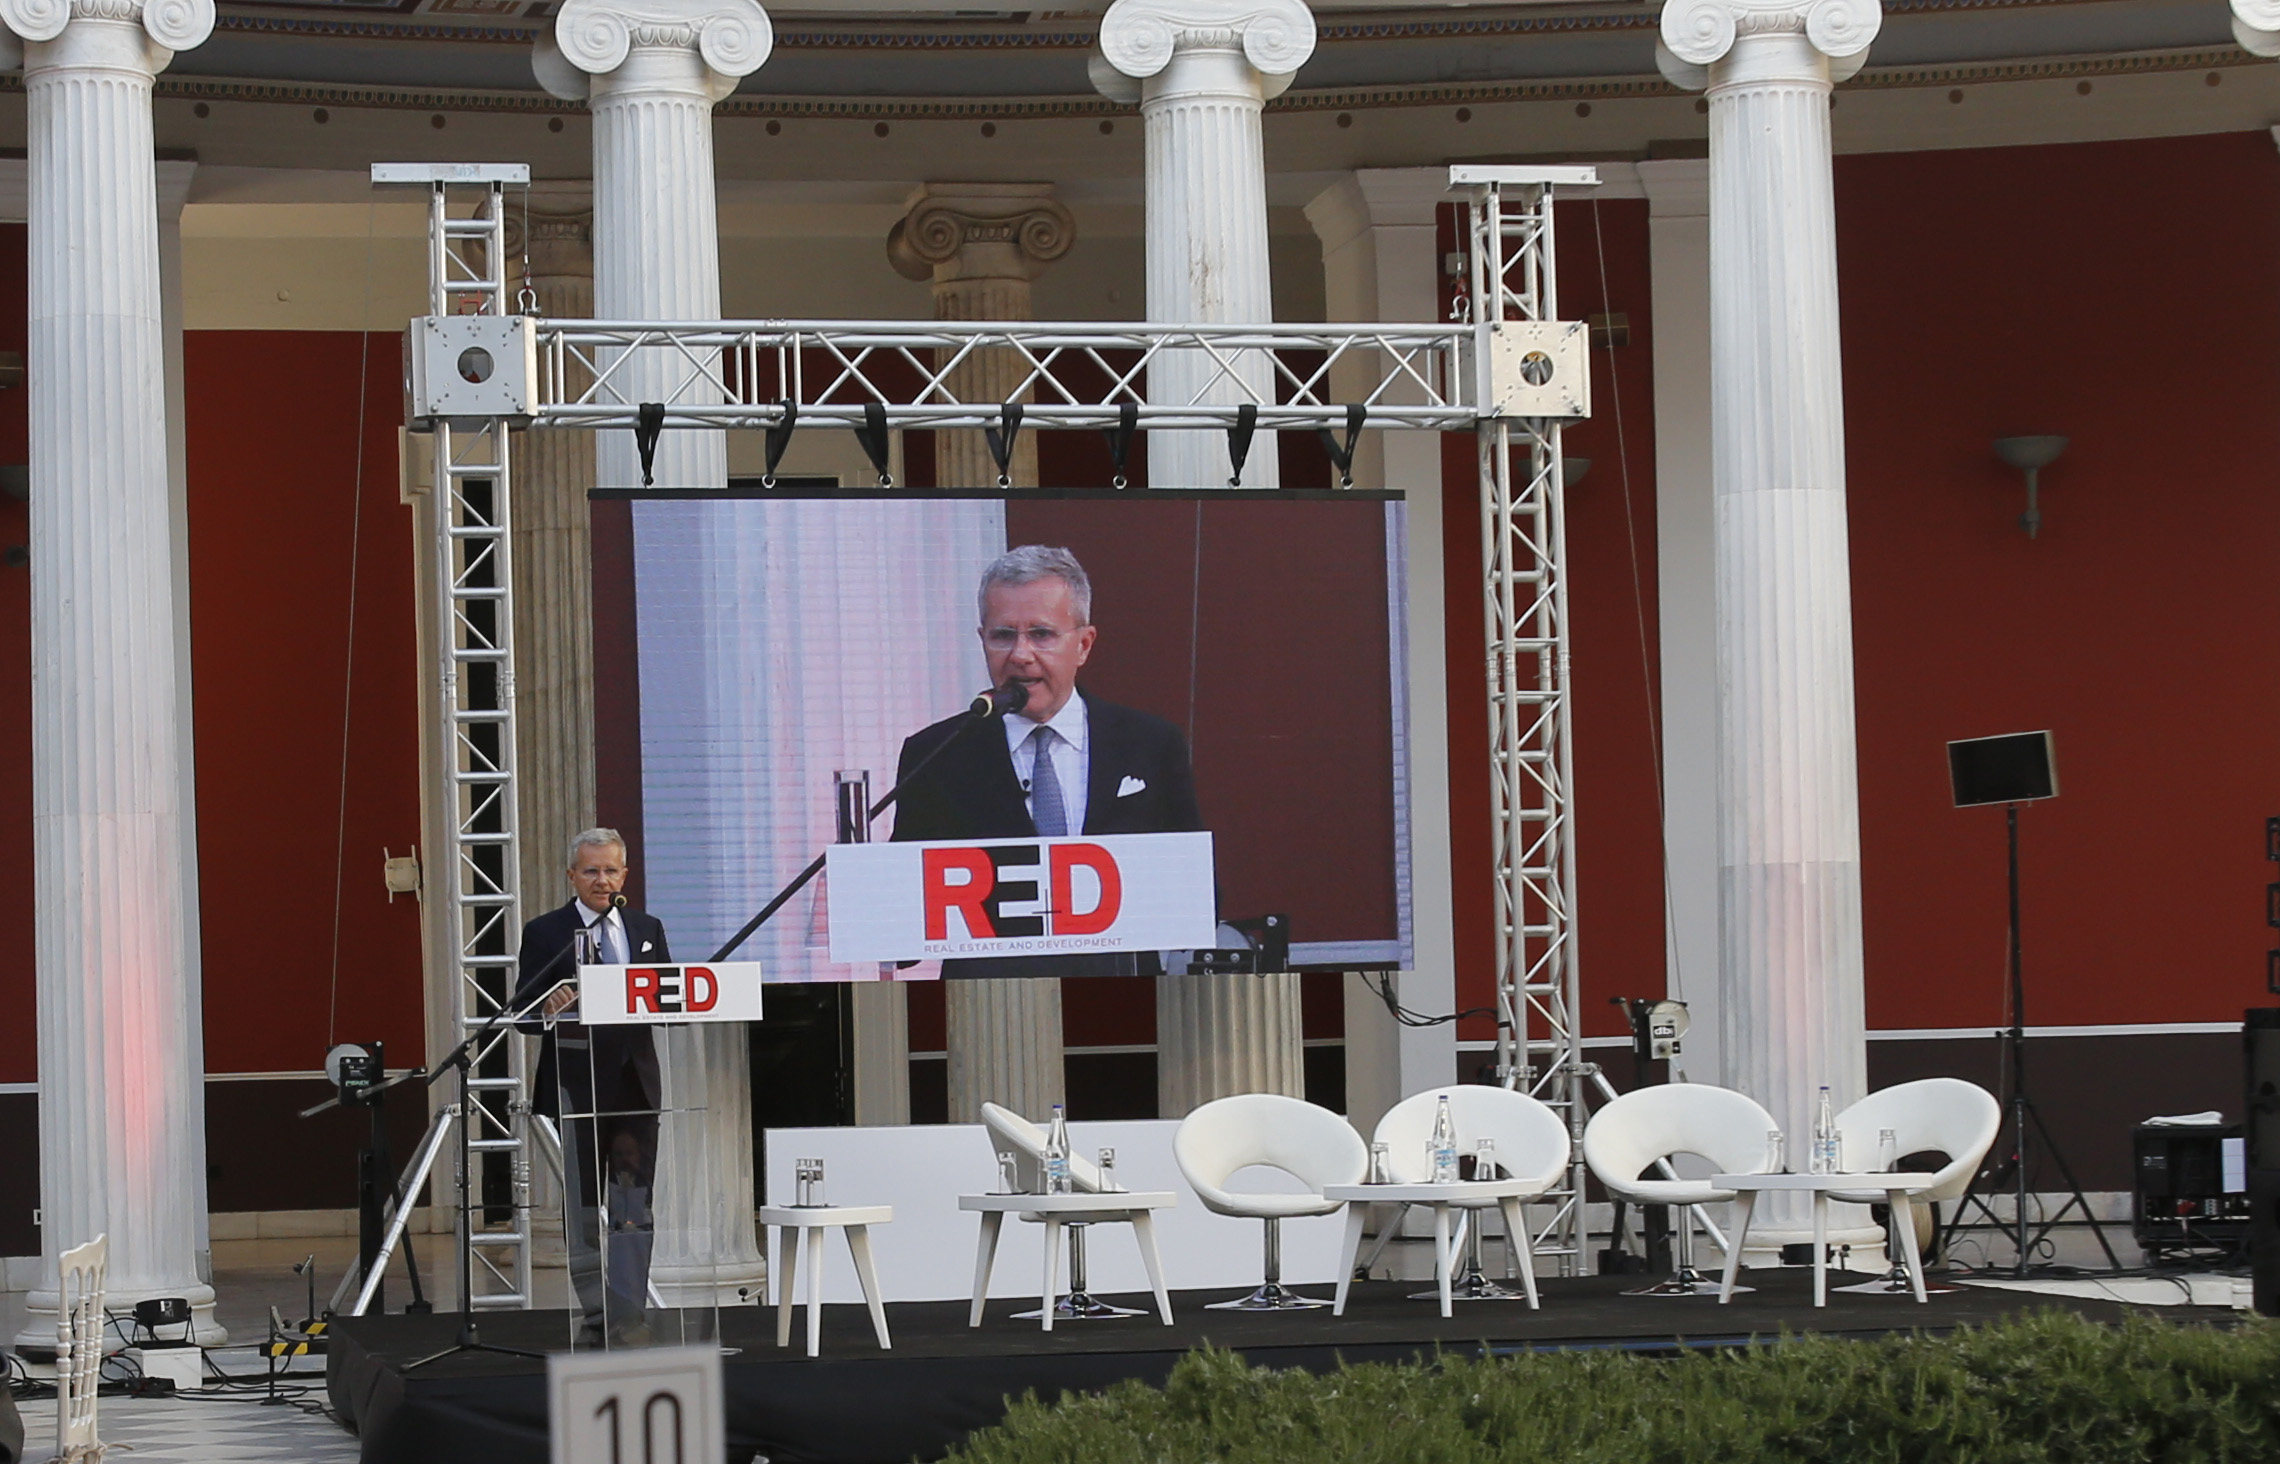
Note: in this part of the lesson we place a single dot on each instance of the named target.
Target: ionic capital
(593, 38)
(1138, 38)
(979, 231)
(169, 25)
(1696, 33)
(2256, 25)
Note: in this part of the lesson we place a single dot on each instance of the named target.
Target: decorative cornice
(176, 25)
(1139, 37)
(1328, 99)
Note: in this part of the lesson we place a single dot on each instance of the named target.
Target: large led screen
(781, 641)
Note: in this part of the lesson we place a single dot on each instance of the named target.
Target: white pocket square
(1130, 786)
(647, 946)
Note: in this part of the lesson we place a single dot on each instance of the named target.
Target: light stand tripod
(2022, 1113)
(462, 1058)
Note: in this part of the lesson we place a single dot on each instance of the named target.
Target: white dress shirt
(608, 931)
(1072, 756)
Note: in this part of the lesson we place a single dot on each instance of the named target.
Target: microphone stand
(985, 709)
(462, 1057)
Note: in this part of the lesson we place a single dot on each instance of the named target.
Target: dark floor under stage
(858, 1405)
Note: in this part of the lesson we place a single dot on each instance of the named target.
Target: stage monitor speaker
(2017, 767)
(2260, 1112)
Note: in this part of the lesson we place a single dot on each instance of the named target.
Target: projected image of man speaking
(1065, 763)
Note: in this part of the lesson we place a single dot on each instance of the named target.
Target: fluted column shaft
(553, 557)
(120, 1052)
(980, 245)
(1788, 823)
(1201, 71)
(652, 71)
(1205, 69)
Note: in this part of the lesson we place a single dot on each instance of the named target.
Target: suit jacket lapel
(1106, 771)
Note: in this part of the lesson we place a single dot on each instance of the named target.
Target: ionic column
(981, 244)
(652, 71)
(2256, 25)
(1201, 70)
(119, 1045)
(1788, 818)
(554, 578)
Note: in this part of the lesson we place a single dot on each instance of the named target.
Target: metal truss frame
(1539, 1045)
(749, 374)
(869, 376)
(479, 882)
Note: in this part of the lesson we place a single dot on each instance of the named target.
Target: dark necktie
(1046, 810)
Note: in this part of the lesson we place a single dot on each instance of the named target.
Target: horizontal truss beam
(742, 374)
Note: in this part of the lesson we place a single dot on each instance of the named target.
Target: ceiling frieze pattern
(242, 17)
(921, 109)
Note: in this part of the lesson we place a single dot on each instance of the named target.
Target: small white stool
(794, 1221)
(1057, 1211)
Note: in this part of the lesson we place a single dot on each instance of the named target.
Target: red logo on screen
(979, 883)
(663, 990)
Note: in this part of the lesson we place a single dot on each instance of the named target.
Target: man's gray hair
(597, 838)
(1027, 565)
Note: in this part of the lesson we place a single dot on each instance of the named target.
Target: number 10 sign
(645, 1405)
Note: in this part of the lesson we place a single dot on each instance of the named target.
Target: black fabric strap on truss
(1239, 439)
(873, 435)
(1001, 443)
(780, 438)
(1342, 458)
(1120, 438)
(648, 425)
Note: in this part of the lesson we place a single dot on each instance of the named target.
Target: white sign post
(643, 1405)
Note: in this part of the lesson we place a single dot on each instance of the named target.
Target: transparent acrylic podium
(642, 1221)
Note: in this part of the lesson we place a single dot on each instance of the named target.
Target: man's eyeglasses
(1039, 637)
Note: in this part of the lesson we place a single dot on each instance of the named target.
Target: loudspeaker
(2018, 767)
(2260, 1062)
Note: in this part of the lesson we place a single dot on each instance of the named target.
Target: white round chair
(1643, 1129)
(1931, 1115)
(1311, 1144)
(1531, 1144)
(1010, 1132)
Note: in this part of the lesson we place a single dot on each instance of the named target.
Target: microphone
(617, 902)
(999, 701)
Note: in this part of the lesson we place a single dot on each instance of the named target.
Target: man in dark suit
(600, 1083)
(1065, 763)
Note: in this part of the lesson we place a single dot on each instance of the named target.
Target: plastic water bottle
(1441, 1150)
(1825, 1157)
(1057, 1154)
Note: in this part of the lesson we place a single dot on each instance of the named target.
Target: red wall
(273, 456)
(2125, 294)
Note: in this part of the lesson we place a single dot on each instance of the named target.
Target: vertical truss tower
(479, 879)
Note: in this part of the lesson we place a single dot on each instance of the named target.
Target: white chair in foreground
(1531, 1143)
(1931, 1115)
(1643, 1129)
(1010, 1132)
(79, 1350)
(1311, 1144)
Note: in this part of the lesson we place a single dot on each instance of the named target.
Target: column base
(42, 1305)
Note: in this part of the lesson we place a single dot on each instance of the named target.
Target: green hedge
(2049, 1386)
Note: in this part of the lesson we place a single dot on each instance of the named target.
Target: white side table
(1507, 1194)
(794, 1221)
(1896, 1189)
(1114, 1207)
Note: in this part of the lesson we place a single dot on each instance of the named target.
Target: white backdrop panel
(927, 1254)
